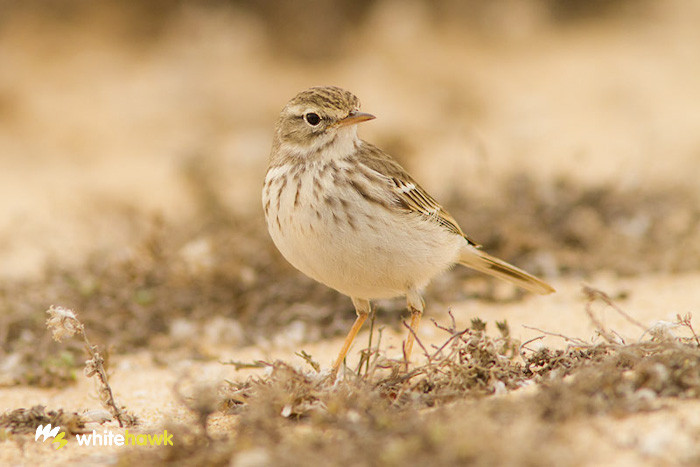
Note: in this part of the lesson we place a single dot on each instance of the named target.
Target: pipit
(346, 214)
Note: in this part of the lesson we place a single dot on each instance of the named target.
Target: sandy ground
(94, 124)
(662, 437)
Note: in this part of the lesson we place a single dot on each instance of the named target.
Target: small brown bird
(347, 215)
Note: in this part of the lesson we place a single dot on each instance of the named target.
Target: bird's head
(317, 118)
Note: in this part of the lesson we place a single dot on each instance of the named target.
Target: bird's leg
(415, 305)
(362, 308)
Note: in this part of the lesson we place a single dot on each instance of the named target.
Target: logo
(47, 432)
(108, 438)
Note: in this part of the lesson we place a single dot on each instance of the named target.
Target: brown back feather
(409, 194)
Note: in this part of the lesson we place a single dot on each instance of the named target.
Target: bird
(347, 215)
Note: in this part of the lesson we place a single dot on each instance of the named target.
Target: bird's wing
(416, 199)
(410, 195)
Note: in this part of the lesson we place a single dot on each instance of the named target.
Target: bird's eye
(312, 118)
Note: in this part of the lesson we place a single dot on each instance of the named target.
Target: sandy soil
(95, 124)
(664, 436)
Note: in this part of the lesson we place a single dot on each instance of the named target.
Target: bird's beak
(355, 117)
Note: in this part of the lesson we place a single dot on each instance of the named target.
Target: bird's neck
(337, 145)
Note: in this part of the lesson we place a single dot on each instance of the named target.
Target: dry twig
(685, 320)
(593, 294)
(65, 323)
(310, 360)
(575, 340)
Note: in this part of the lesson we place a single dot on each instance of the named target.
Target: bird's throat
(341, 143)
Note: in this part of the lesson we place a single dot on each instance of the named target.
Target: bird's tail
(474, 258)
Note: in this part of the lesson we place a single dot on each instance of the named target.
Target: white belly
(350, 244)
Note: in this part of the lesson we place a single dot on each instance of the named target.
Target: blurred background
(562, 134)
(103, 103)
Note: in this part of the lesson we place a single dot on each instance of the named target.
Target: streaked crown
(331, 99)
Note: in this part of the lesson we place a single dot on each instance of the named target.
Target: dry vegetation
(378, 414)
(200, 268)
